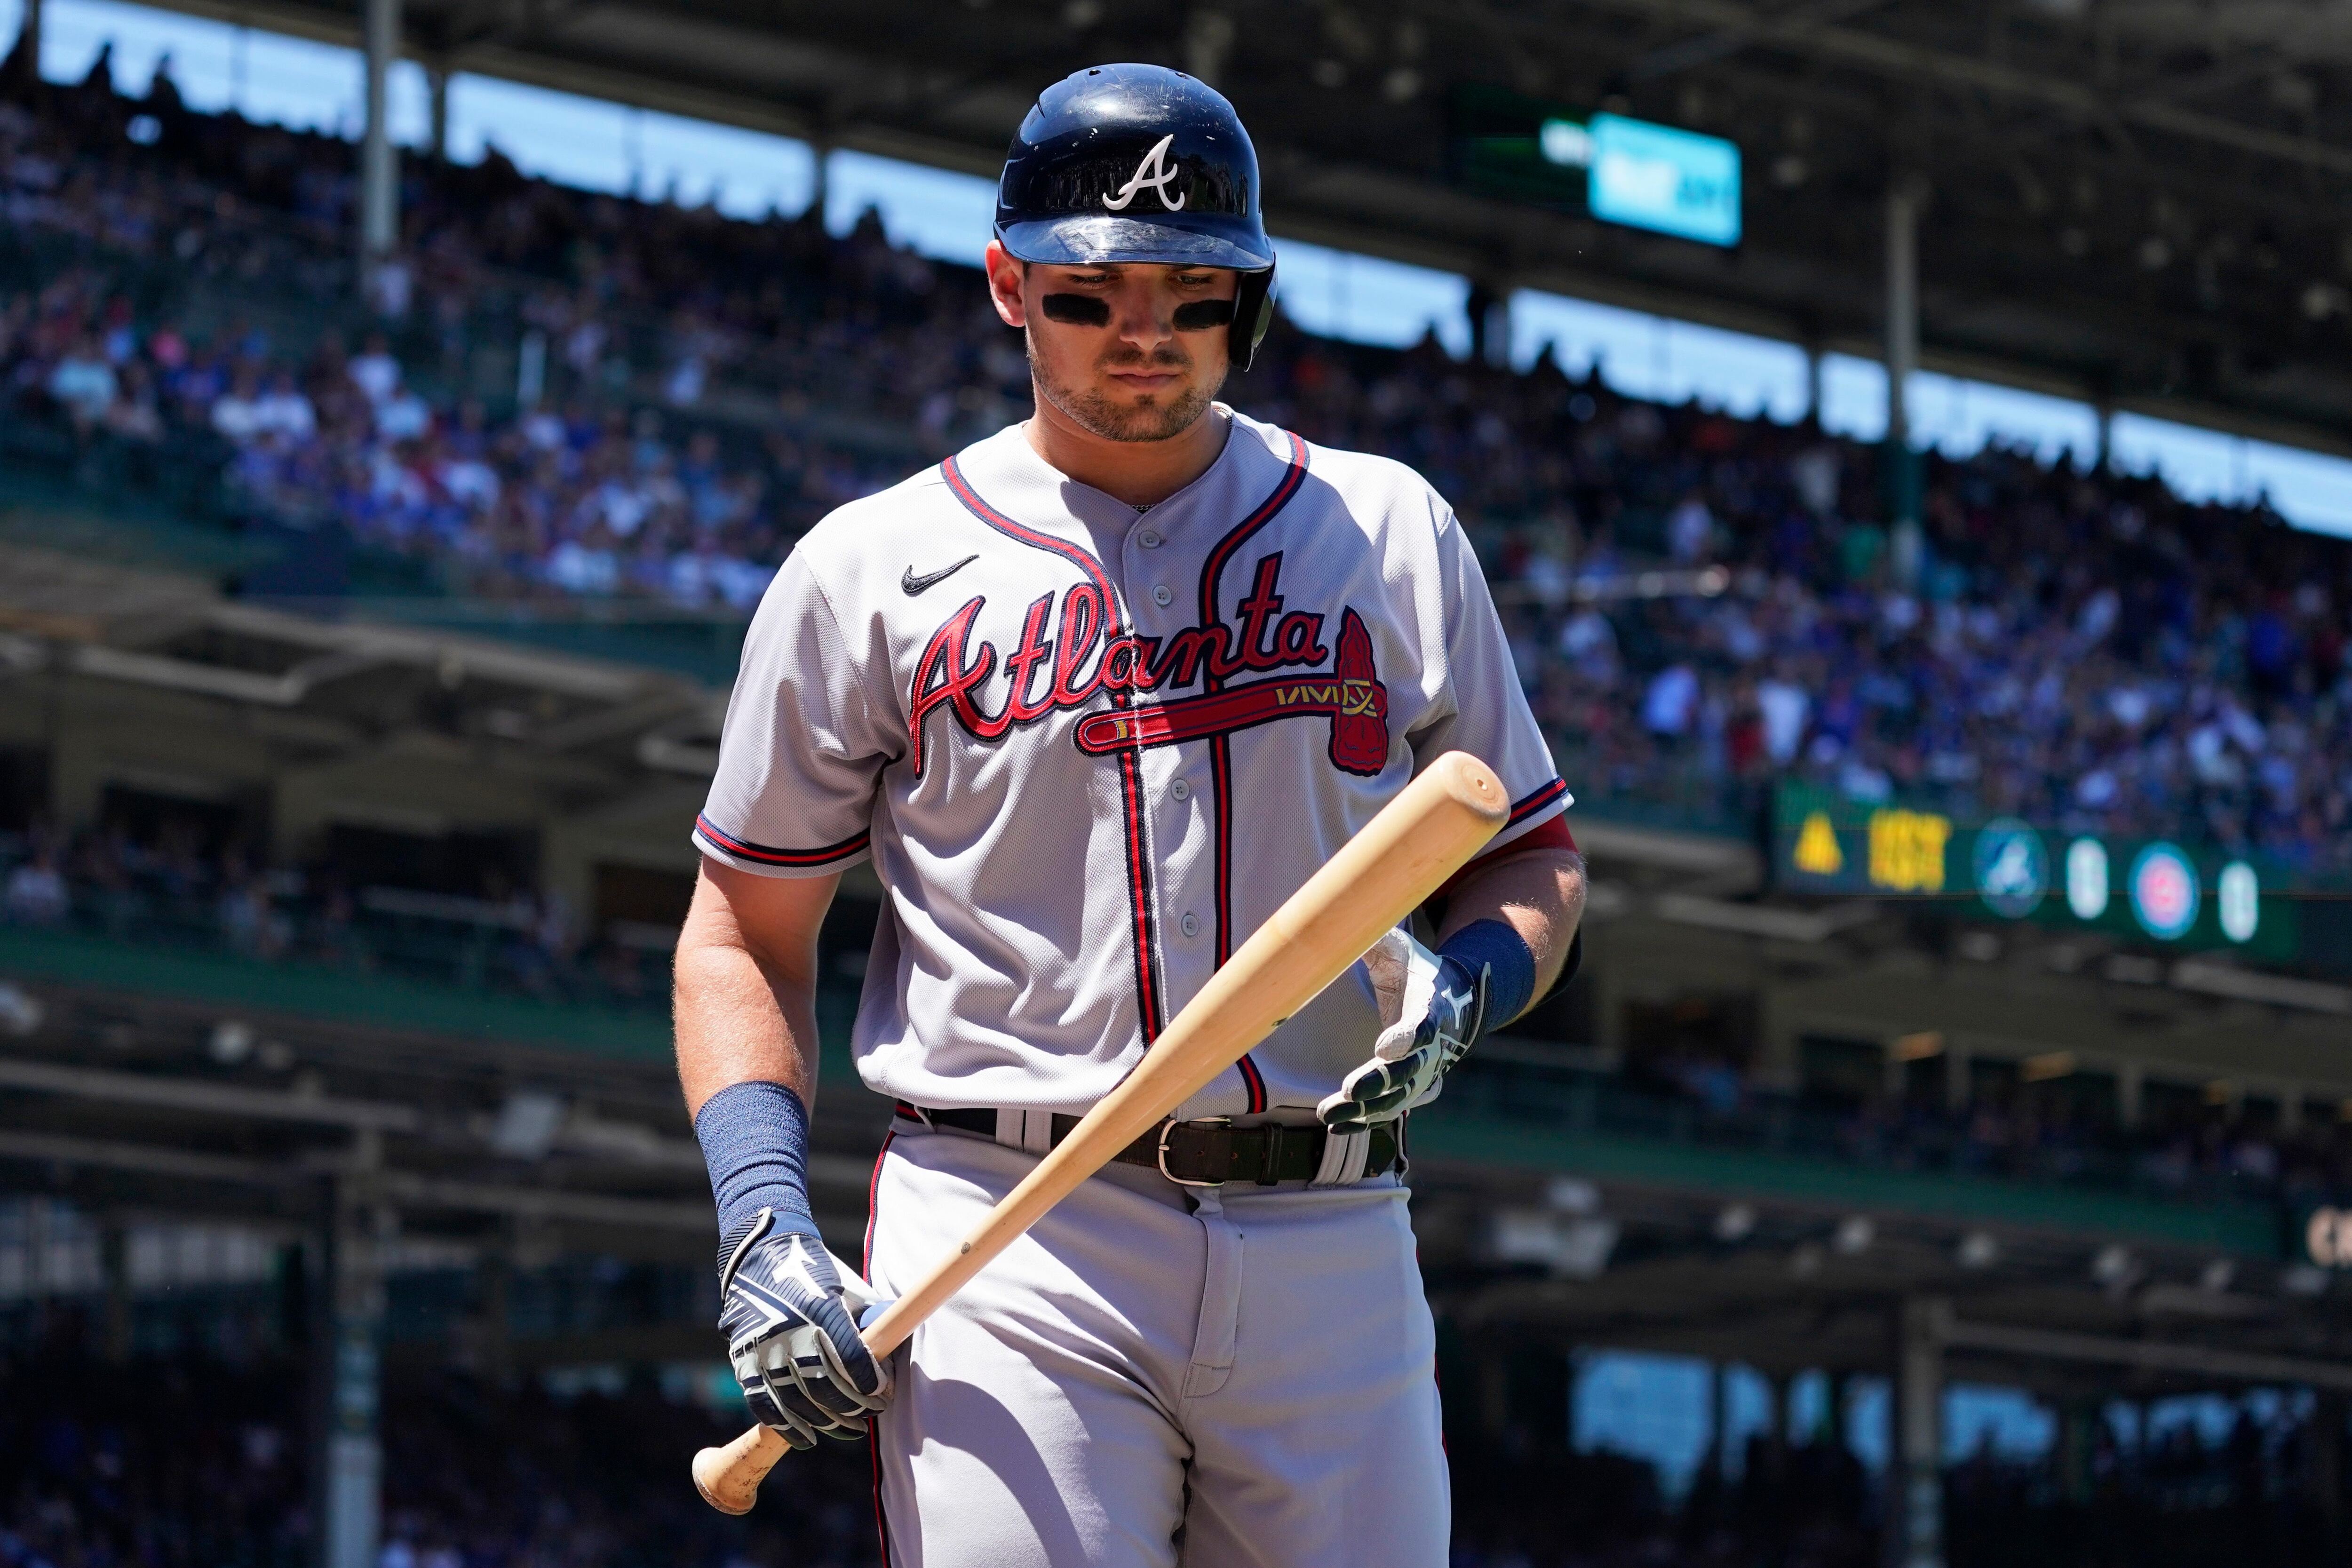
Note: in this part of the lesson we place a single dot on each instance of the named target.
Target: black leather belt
(1207, 1153)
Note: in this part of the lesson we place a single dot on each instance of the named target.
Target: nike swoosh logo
(914, 585)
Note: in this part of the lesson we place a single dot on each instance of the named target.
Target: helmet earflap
(1253, 316)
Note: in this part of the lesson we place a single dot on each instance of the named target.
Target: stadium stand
(201, 1468)
(682, 446)
(2179, 667)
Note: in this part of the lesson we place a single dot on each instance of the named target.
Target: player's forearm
(1539, 894)
(743, 1002)
(737, 1022)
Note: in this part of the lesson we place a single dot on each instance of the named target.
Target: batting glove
(1432, 1009)
(791, 1321)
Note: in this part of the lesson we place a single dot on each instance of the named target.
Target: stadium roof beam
(402, 1188)
(1726, 42)
(2145, 1355)
(1897, 58)
(138, 1159)
(185, 1094)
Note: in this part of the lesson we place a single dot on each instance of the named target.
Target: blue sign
(1656, 177)
(2012, 868)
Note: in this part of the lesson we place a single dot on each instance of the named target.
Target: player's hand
(790, 1309)
(1432, 1009)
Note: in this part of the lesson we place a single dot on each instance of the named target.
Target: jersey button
(1149, 539)
(1164, 595)
(1180, 790)
(1190, 925)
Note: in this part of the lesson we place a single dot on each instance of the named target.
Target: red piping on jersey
(1523, 809)
(1220, 762)
(874, 1422)
(873, 1200)
(1551, 834)
(768, 855)
(1131, 778)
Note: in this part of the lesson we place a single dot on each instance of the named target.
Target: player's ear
(1005, 272)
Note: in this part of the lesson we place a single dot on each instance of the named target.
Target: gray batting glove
(1432, 1009)
(790, 1310)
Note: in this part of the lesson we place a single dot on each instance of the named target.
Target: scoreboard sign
(1656, 177)
(1621, 170)
(2146, 890)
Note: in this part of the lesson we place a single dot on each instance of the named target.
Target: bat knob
(729, 1477)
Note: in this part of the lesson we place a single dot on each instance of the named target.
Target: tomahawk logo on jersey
(1119, 746)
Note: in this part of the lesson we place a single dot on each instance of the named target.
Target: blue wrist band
(754, 1138)
(1510, 967)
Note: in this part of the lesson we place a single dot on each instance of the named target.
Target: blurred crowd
(2187, 1143)
(2185, 1147)
(192, 1462)
(174, 883)
(2147, 1484)
(553, 394)
(194, 1465)
(177, 886)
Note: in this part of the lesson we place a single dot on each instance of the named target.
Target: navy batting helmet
(1132, 163)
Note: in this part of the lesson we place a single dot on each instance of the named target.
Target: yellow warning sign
(1817, 849)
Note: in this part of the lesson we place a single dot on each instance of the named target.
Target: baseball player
(1097, 695)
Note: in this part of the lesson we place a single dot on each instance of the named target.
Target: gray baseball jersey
(1091, 749)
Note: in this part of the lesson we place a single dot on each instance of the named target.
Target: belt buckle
(1168, 1130)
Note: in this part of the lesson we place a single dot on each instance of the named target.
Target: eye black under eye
(1080, 310)
(1201, 314)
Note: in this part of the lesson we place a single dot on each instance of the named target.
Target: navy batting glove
(1396, 1078)
(791, 1332)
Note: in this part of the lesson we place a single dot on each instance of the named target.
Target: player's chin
(1123, 414)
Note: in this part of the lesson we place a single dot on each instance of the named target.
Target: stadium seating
(2076, 648)
(559, 397)
(193, 1461)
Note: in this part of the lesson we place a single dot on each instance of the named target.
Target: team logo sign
(1156, 172)
(2012, 868)
(2164, 892)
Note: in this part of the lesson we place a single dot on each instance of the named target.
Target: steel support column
(1906, 198)
(379, 160)
(2078, 1420)
(1915, 1478)
(28, 42)
(1718, 1422)
(2323, 1469)
(114, 1267)
(1903, 199)
(357, 1230)
(1489, 309)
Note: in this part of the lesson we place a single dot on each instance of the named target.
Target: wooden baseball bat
(1404, 854)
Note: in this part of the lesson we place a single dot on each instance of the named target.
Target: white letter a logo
(1153, 172)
